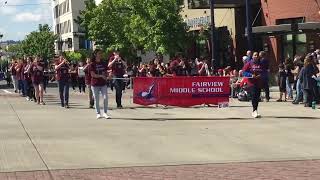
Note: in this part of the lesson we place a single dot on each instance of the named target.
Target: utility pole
(213, 38)
(249, 26)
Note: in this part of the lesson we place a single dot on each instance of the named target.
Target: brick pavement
(287, 170)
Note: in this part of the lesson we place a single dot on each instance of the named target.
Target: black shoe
(67, 106)
(120, 107)
(295, 102)
(307, 105)
(91, 107)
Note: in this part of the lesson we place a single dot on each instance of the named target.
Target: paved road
(43, 139)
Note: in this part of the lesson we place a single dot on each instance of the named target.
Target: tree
(16, 50)
(74, 56)
(85, 16)
(40, 43)
(151, 25)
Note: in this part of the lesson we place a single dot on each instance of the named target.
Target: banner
(181, 91)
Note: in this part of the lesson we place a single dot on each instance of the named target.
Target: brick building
(290, 27)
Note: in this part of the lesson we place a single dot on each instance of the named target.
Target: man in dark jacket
(265, 74)
(308, 81)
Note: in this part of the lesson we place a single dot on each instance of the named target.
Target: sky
(17, 21)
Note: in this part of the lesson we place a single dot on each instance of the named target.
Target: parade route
(35, 138)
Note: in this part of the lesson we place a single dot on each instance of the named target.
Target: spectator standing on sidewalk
(308, 81)
(86, 70)
(118, 67)
(99, 78)
(265, 74)
(254, 70)
(282, 78)
(290, 78)
(297, 75)
(63, 77)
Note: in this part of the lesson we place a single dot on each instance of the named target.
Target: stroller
(245, 89)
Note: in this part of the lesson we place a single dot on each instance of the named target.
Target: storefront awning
(276, 29)
(309, 26)
(286, 28)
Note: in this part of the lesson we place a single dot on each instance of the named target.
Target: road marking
(8, 92)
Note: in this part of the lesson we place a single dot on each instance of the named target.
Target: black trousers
(266, 89)
(255, 93)
(119, 85)
(63, 86)
(30, 91)
(82, 84)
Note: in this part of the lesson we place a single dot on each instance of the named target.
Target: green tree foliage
(152, 25)
(74, 56)
(15, 50)
(85, 16)
(40, 43)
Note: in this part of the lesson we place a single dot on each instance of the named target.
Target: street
(48, 142)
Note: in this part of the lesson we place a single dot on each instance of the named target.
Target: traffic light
(69, 41)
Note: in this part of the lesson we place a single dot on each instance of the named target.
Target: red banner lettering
(181, 91)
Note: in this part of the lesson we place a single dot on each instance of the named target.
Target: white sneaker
(99, 116)
(255, 114)
(259, 116)
(106, 116)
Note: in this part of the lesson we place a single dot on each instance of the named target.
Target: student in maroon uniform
(99, 77)
(23, 78)
(19, 68)
(62, 76)
(81, 78)
(13, 71)
(86, 70)
(28, 80)
(254, 70)
(118, 67)
(37, 76)
(74, 76)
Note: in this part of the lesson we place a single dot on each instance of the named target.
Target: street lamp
(249, 26)
(213, 27)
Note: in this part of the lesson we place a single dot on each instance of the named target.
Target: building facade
(230, 22)
(290, 27)
(71, 36)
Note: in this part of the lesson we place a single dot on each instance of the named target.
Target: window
(56, 9)
(68, 8)
(82, 43)
(293, 44)
(198, 4)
